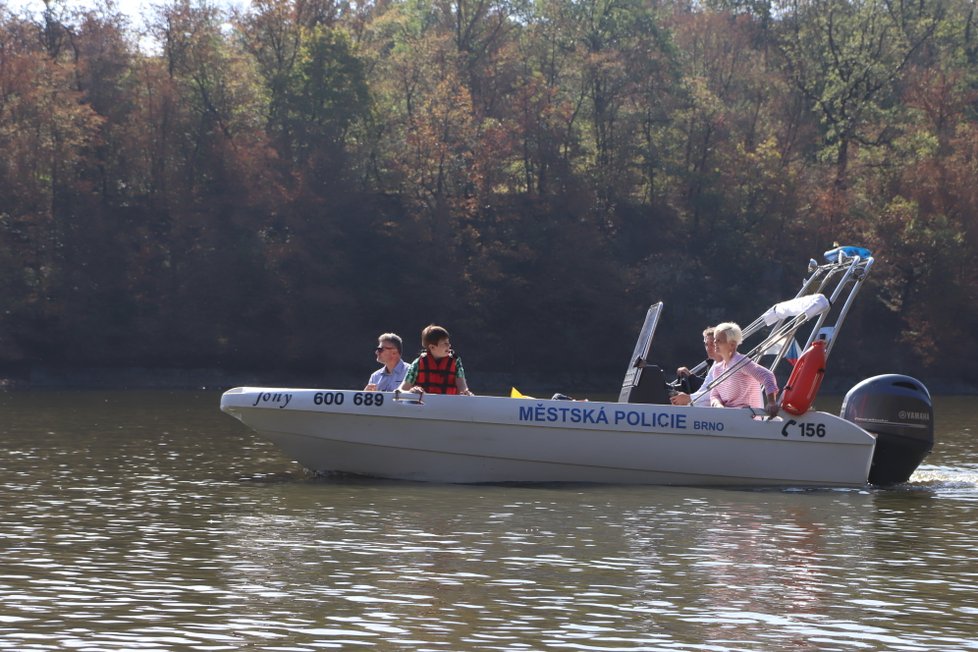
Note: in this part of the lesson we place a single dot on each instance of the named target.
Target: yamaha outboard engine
(898, 410)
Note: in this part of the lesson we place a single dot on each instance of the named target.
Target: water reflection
(613, 575)
(151, 521)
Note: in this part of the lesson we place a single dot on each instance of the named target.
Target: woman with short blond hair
(741, 388)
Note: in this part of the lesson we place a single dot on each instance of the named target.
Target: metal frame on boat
(834, 284)
(483, 439)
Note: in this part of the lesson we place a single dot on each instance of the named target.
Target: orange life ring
(805, 379)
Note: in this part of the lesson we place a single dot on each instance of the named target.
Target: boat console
(645, 383)
(649, 387)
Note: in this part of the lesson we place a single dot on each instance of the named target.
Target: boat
(883, 433)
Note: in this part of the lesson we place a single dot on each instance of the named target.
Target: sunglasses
(385, 348)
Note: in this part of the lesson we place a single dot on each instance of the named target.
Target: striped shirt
(741, 389)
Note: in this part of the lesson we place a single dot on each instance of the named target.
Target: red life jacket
(438, 376)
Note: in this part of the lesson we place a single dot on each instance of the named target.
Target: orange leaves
(44, 127)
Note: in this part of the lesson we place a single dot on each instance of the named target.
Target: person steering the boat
(437, 370)
(740, 388)
(391, 375)
(700, 397)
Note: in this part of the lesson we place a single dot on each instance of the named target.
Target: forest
(267, 188)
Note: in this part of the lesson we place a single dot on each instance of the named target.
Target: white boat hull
(484, 439)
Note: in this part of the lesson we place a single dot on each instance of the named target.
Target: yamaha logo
(914, 416)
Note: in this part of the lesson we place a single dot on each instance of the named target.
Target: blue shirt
(389, 381)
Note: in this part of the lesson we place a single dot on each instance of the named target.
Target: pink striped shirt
(742, 389)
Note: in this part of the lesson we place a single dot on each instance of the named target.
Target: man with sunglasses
(389, 377)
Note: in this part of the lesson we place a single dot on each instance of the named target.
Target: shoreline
(541, 385)
(209, 378)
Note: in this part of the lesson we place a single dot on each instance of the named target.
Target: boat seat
(650, 388)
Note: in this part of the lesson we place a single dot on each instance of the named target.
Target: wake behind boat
(884, 433)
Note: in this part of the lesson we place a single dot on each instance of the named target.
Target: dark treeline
(270, 189)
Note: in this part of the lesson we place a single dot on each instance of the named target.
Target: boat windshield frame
(839, 280)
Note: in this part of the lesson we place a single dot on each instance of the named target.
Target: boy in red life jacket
(437, 370)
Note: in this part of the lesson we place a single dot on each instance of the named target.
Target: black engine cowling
(899, 411)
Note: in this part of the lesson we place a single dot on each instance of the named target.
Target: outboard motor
(899, 411)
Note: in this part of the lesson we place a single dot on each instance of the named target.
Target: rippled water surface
(151, 521)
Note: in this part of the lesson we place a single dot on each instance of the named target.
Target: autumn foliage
(270, 188)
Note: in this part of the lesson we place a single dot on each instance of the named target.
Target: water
(151, 521)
